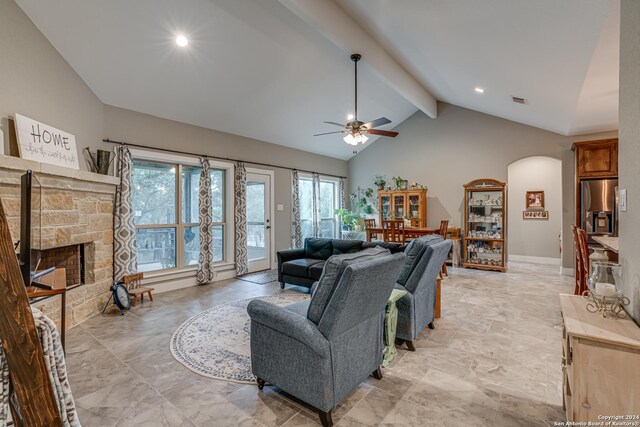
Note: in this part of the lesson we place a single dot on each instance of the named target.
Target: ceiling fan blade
(377, 122)
(329, 133)
(336, 124)
(383, 132)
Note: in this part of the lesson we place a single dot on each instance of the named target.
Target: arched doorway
(535, 240)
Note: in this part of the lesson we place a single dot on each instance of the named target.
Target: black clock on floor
(120, 297)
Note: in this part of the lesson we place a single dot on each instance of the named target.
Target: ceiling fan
(356, 130)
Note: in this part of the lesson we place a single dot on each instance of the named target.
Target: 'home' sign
(46, 144)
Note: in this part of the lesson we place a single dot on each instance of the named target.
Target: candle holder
(606, 304)
(604, 295)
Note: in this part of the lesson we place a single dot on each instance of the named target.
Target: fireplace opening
(71, 258)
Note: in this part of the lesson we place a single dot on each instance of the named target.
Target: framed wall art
(535, 200)
(535, 214)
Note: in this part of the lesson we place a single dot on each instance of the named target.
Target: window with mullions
(166, 240)
(328, 198)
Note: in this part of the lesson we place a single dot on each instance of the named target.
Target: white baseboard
(184, 279)
(535, 259)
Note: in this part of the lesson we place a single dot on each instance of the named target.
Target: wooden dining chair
(578, 269)
(444, 231)
(368, 224)
(393, 230)
(586, 262)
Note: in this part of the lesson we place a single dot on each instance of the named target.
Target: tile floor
(493, 360)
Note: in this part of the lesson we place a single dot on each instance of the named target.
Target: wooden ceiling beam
(329, 19)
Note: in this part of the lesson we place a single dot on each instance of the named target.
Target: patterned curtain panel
(240, 215)
(315, 207)
(341, 199)
(125, 255)
(205, 212)
(296, 227)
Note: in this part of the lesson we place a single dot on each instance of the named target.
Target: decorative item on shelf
(604, 294)
(43, 143)
(380, 182)
(597, 256)
(401, 183)
(98, 162)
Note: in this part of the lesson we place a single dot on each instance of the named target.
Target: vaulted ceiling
(274, 70)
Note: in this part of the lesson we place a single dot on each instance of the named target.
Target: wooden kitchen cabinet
(597, 159)
(600, 359)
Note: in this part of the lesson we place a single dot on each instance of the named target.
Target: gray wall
(37, 82)
(535, 238)
(462, 145)
(629, 154)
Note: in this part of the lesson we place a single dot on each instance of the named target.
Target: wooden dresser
(600, 363)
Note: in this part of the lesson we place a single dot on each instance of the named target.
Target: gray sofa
(416, 310)
(320, 350)
(304, 266)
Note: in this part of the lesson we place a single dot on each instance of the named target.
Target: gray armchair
(320, 350)
(418, 276)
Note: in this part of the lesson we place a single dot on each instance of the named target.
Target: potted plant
(380, 182)
(349, 220)
(362, 200)
(401, 183)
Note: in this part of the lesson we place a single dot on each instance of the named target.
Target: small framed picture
(535, 214)
(535, 200)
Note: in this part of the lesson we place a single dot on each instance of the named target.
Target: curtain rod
(168, 150)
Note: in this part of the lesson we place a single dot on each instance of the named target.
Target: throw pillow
(346, 246)
(317, 248)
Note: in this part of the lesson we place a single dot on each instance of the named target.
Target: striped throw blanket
(54, 361)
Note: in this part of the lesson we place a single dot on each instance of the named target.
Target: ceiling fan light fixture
(350, 139)
(355, 139)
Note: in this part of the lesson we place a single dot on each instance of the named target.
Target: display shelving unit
(485, 240)
(398, 204)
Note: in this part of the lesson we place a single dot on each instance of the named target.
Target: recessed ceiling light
(350, 117)
(182, 41)
(479, 90)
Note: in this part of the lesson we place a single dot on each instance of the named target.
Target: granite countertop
(608, 242)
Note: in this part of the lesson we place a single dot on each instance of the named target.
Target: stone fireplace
(76, 231)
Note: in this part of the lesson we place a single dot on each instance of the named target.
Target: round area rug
(215, 343)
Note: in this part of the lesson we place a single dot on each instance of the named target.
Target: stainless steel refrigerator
(599, 208)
